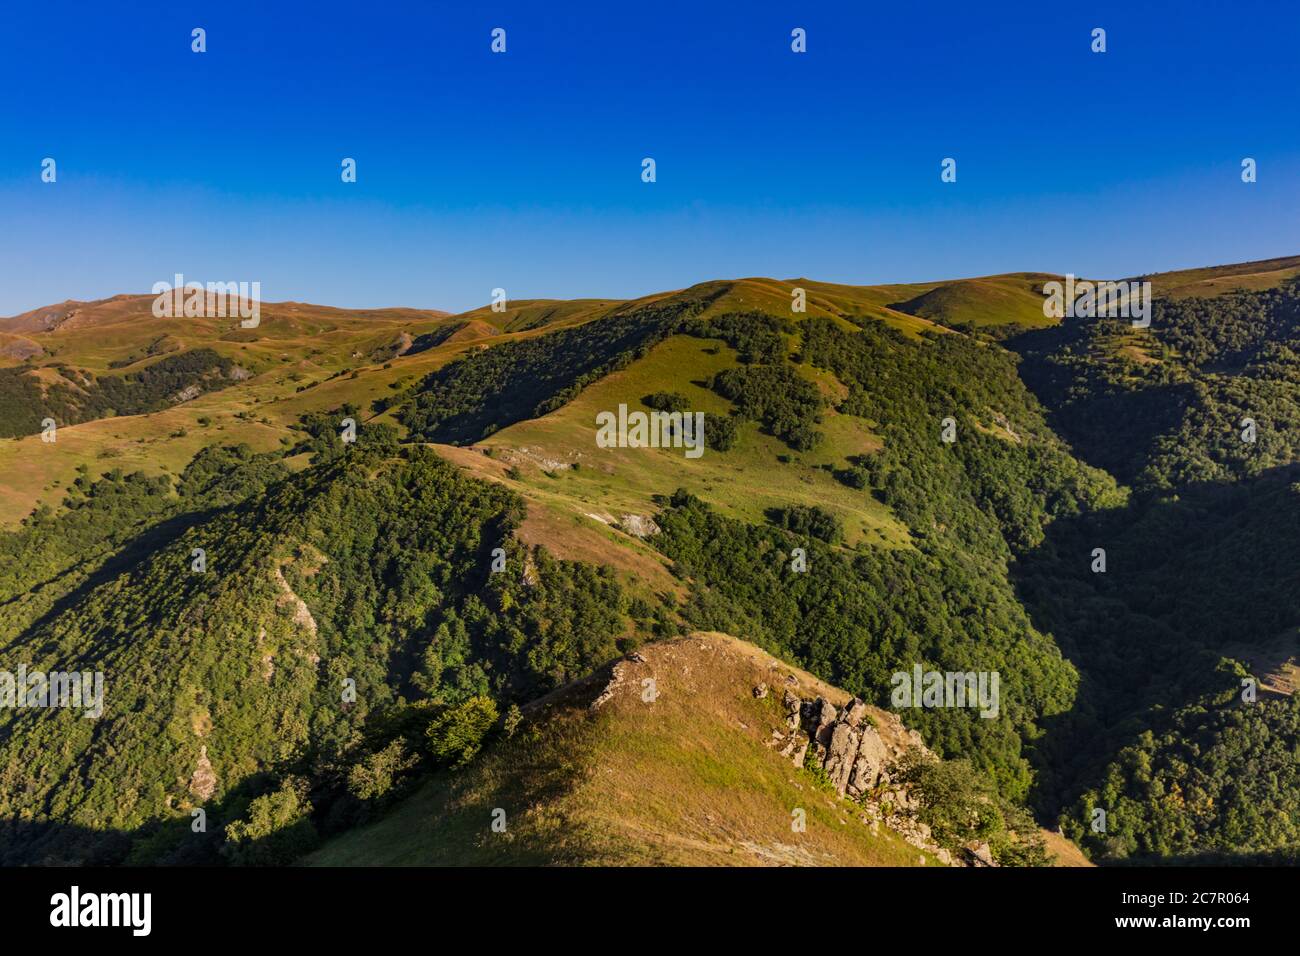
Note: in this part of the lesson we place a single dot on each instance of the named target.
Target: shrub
(456, 735)
(276, 830)
(808, 520)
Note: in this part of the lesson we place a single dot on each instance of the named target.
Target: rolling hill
(942, 460)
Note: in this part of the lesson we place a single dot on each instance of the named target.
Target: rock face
(856, 757)
(203, 782)
(638, 526)
(847, 744)
(189, 393)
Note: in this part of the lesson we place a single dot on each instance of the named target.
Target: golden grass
(685, 779)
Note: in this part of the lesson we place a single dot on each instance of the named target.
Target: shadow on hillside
(1111, 428)
(172, 842)
(1186, 577)
(177, 842)
(135, 552)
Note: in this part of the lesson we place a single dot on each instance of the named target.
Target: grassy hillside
(1211, 281)
(996, 300)
(687, 779)
(304, 358)
(744, 481)
(596, 774)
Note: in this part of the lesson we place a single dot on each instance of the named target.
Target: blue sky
(522, 170)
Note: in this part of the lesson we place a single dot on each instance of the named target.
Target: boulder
(841, 751)
(980, 854)
(869, 762)
(793, 710)
(821, 718)
(854, 711)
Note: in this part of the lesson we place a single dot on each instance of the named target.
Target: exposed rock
(793, 743)
(302, 615)
(869, 762)
(980, 854)
(21, 349)
(854, 711)
(796, 749)
(793, 708)
(617, 680)
(821, 716)
(855, 748)
(203, 783)
(1005, 424)
(638, 526)
(841, 752)
(524, 454)
(760, 691)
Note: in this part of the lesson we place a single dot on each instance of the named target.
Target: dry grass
(685, 779)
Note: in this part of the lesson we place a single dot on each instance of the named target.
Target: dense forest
(26, 400)
(409, 640)
(1165, 407)
(948, 603)
(1199, 577)
(1199, 590)
(856, 619)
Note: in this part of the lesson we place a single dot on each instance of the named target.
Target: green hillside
(329, 598)
(995, 300)
(355, 641)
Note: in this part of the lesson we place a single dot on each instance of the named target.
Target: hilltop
(683, 754)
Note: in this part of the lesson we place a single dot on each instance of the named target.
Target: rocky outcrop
(638, 526)
(532, 456)
(848, 745)
(203, 782)
(529, 574)
(302, 615)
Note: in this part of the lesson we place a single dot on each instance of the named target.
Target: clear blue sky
(522, 170)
